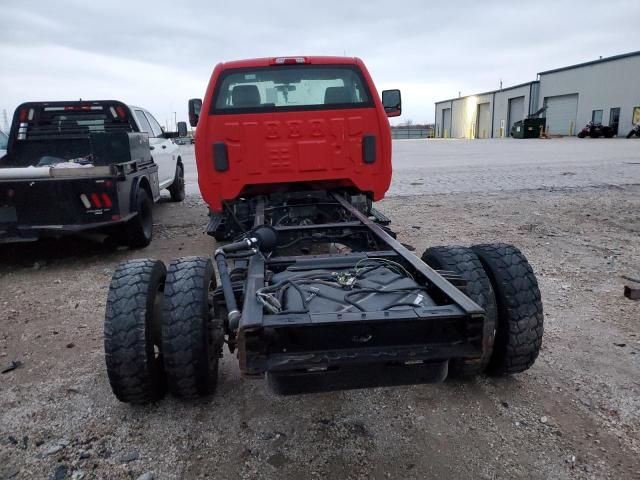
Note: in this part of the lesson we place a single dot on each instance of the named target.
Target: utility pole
(175, 122)
(5, 120)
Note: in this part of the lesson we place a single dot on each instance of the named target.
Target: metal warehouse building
(604, 90)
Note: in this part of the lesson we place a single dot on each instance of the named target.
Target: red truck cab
(292, 123)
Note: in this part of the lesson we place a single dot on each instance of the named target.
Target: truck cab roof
(291, 60)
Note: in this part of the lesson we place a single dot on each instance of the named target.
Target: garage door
(561, 114)
(446, 123)
(484, 121)
(516, 112)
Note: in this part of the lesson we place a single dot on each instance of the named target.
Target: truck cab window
(155, 126)
(291, 88)
(144, 123)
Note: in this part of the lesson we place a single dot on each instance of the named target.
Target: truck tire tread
(177, 187)
(186, 327)
(464, 261)
(135, 234)
(520, 315)
(134, 374)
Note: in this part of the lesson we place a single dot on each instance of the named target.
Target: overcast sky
(158, 55)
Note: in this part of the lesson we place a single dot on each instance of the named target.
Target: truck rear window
(282, 88)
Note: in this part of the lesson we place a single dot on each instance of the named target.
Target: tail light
(106, 201)
(95, 200)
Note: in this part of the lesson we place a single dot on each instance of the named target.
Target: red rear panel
(272, 151)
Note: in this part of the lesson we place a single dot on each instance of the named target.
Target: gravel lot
(571, 205)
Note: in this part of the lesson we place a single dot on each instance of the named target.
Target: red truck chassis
(314, 291)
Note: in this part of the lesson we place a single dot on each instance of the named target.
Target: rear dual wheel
(520, 317)
(501, 281)
(132, 324)
(138, 232)
(160, 330)
(177, 187)
(192, 337)
(463, 261)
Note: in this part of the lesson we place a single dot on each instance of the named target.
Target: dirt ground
(574, 415)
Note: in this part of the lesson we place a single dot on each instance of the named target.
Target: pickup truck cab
(164, 151)
(271, 125)
(85, 165)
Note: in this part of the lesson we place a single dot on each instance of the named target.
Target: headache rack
(70, 120)
(97, 133)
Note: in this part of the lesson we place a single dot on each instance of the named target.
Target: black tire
(132, 342)
(520, 317)
(582, 135)
(139, 230)
(463, 261)
(177, 187)
(192, 337)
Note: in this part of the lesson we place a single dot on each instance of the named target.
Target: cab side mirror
(195, 105)
(182, 129)
(392, 102)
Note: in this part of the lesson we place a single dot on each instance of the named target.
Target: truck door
(163, 150)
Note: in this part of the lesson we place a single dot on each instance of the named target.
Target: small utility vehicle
(314, 291)
(596, 130)
(634, 131)
(85, 165)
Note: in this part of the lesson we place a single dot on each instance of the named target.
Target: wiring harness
(272, 297)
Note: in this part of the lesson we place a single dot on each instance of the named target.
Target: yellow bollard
(571, 129)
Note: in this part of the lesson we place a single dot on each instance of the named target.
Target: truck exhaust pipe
(263, 239)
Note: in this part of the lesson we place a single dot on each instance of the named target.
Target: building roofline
(490, 92)
(592, 62)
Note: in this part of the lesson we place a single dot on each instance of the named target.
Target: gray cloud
(159, 54)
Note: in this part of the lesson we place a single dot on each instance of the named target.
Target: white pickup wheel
(177, 187)
(139, 230)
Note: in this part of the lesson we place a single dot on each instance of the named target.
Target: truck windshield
(309, 87)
